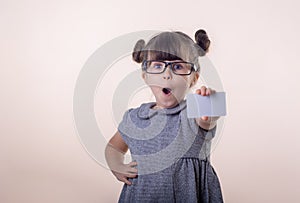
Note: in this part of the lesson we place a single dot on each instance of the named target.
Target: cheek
(155, 89)
(183, 82)
(192, 79)
(151, 80)
(181, 87)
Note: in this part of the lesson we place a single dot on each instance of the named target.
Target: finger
(208, 91)
(132, 164)
(133, 170)
(198, 91)
(203, 90)
(131, 175)
(126, 181)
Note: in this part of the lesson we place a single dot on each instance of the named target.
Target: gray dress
(172, 153)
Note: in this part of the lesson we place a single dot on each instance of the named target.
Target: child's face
(168, 88)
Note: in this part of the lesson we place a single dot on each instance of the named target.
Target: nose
(167, 75)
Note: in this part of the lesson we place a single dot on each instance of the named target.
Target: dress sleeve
(209, 134)
(123, 127)
(206, 134)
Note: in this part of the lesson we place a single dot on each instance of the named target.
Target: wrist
(208, 124)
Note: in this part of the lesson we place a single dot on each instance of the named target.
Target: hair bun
(202, 40)
(137, 54)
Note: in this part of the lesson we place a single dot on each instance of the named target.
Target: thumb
(205, 118)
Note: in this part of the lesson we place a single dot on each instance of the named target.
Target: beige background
(44, 45)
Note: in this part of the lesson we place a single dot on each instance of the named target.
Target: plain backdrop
(44, 45)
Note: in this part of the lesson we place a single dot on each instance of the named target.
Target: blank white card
(212, 105)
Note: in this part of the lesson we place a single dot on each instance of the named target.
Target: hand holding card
(211, 105)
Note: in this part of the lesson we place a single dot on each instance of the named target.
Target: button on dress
(172, 154)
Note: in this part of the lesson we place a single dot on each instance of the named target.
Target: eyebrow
(170, 60)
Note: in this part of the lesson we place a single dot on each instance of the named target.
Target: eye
(178, 66)
(157, 65)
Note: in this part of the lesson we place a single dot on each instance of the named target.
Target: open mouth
(166, 90)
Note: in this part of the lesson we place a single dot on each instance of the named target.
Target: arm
(206, 122)
(114, 154)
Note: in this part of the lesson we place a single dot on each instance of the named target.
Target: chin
(167, 104)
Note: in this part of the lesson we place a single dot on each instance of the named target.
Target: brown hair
(172, 46)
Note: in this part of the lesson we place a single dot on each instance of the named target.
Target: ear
(144, 75)
(195, 79)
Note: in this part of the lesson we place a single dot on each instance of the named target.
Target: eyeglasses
(178, 67)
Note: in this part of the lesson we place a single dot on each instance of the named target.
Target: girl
(170, 152)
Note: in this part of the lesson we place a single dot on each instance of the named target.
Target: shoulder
(140, 111)
(136, 116)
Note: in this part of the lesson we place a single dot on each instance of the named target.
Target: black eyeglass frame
(144, 68)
